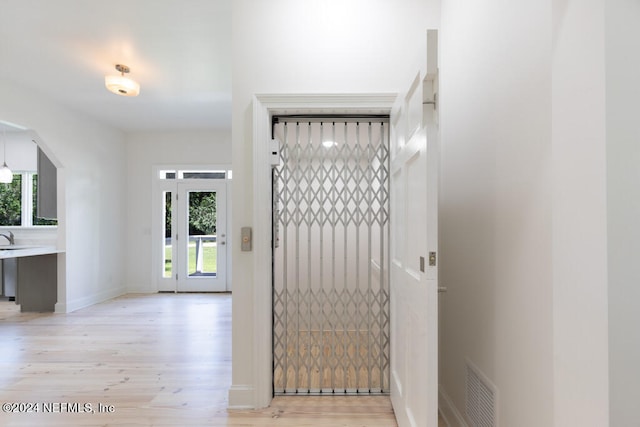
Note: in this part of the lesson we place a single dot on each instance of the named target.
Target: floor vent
(481, 399)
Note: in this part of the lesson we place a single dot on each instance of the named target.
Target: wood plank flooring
(145, 360)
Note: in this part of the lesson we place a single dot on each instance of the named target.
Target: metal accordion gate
(330, 255)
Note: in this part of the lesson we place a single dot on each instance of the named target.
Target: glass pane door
(201, 237)
(202, 251)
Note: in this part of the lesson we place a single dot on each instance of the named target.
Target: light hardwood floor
(144, 360)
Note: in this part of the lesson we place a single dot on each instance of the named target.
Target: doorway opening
(190, 236)
(331, 255)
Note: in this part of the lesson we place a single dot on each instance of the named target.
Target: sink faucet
(9, 237)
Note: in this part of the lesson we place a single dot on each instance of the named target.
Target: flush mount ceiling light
(122, 85)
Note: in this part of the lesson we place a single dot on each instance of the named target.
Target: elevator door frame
(259, 391)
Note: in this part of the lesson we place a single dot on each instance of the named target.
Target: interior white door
(414, 240)
(200, 239)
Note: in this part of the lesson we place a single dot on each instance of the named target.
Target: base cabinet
(37, 289)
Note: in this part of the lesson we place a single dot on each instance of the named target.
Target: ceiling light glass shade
(122, 85)
(6, 176)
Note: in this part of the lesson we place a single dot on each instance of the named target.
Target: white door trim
(264, 106)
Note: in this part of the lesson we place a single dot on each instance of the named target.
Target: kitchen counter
(18, 251)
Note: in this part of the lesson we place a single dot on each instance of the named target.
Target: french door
(194, 247)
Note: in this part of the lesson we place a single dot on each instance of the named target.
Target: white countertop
(17, 251)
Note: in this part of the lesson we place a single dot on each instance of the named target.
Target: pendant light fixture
(122, 85)
(6, 176)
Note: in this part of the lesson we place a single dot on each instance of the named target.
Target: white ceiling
(178, 50)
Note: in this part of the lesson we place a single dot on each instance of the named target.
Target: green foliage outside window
(167, 214)
(202, 213)
(11, 202)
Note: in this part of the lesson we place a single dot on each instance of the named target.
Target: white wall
(92, 225)
(579, 214)
(623, 178)
(145, 150)
(289, 46)
(523, 220)
(495, 209)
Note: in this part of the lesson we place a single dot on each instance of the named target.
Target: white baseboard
(241, 397)
(448, 410)
(77, 304)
